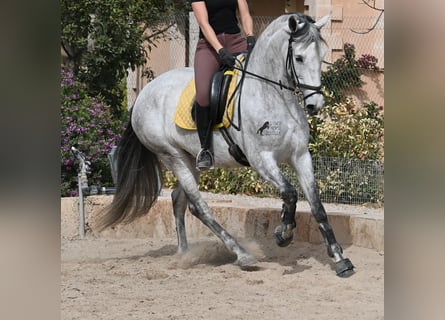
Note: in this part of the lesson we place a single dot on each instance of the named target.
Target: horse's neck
(269, 61)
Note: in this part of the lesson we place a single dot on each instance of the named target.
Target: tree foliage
(104, 38)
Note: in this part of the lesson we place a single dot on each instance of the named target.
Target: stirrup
(204, 160)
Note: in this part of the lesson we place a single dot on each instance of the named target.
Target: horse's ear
(295, 24)
(320, 23)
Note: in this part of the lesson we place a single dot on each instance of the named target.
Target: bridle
(290, 66)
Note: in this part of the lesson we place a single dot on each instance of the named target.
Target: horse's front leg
(284, 232)
(270, 171)
(304, 168)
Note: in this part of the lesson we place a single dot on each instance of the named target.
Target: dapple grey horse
(283, 76)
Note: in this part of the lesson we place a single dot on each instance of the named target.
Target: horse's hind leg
(304, 169)
(184, 171)
(199, 208)
(179, 200)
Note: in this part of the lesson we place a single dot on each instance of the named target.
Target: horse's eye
(299, 58)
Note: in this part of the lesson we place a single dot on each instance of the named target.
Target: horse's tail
(139, 182)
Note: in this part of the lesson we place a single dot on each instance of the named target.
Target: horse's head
(306, 51)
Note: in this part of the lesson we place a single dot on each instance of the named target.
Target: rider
(219, 38)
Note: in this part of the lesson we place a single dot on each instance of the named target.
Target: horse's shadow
(295, 256)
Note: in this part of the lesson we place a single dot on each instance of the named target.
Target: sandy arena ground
(145, 279)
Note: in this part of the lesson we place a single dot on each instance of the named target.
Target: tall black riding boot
(204, 159)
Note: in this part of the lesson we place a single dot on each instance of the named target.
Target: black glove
(250, 43)
(226, 57)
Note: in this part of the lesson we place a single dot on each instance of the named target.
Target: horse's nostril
(311, 109)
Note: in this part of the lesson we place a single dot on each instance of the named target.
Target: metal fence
(340, 180)
(349, 181)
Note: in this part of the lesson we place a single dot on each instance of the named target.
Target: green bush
(344, 180)
(347, 131)
(343, 74)
(229, 181)
(347, 147)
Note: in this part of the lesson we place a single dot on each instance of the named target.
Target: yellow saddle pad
(183, 114)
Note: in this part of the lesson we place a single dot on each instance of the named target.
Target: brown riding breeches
(207, 63)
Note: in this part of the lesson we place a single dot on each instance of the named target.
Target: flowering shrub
(367, 61)
(347, 131)
(89, 125)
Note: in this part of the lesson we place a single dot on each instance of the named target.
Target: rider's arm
(245, 17)
(200, 11)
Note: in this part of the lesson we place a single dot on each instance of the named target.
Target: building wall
(266, 7)
(275, 8)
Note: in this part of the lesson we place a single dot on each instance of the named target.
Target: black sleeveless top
(222, 16)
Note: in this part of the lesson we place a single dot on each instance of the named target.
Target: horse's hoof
(281, 242)
(284, 235)
(246, 262)
(345, 268)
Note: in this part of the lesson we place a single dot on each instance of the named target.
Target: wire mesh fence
(339, 180)
(342, 180)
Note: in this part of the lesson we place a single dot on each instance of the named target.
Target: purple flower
(90, 126)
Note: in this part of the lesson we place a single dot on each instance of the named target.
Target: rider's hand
(226, 57)
(250, 43)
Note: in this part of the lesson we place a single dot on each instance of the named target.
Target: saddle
(219, 91)
(222, 86)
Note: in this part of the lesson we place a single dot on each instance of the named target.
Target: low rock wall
(241, 221)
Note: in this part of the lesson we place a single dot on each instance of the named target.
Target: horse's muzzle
(314, 104)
